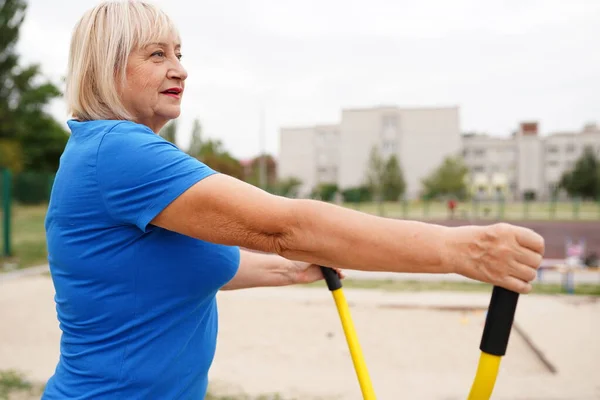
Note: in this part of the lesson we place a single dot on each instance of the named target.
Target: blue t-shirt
(136, 303)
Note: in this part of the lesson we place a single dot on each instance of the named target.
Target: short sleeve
(139, 173)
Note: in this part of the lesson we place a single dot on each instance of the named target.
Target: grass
(29, 236)
(14, 385)
(489, 210)
(391, 285)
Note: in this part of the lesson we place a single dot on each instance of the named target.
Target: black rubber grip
(499, 320)
(331, 277)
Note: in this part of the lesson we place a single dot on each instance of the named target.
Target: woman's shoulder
(120, 136)
(106, 126)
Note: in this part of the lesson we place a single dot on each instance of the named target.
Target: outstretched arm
(224, 210)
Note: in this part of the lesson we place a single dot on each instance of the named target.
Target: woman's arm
(264, 270)
(222, 209)
(258, 270)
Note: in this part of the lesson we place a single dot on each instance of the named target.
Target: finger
(516, 285)
(523, 272)
(529, 258)
(530, 239)
(338, 271)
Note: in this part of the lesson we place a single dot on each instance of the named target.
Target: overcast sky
(500, 61)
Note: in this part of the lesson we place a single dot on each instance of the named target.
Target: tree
(393, 180)
(253, 174)
(43, 144)
(11, 154)
(29, 137)
(375, 177)
(287, 187)
(216, 157)
(325, 191)
(169, 132)
(584, 179)
(447, 180)
(12, 14)
(210, 152)
(196, 141)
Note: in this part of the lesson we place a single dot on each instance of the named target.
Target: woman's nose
(177, 72)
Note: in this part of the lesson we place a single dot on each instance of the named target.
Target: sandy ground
(290, 341)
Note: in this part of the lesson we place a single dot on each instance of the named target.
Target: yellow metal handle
(494, 341)
(358, 360)
(335, 286)
(485, 378)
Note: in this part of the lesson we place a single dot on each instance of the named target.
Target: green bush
(358, 194)
(325, 191)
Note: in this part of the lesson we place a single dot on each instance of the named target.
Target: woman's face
(154, 84)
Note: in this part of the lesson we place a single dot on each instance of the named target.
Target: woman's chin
(172, 112)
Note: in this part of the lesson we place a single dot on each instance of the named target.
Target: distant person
(141, 236)
(451, 207)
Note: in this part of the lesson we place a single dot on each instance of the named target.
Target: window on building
(553, 163)
(322, 158)
(390, 121)
(551, 149)
(389, 146)
(479, 152)
(570, 148)
(478, 168)
(320, 138)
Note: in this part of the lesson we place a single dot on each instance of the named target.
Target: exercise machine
(494, 340)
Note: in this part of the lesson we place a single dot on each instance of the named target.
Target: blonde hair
(100, 46)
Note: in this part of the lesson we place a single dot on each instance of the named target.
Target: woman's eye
(179, 56)
(158, 54)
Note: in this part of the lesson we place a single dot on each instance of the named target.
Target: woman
(141, 236)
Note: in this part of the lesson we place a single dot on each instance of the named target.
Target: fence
(27, 188)
(571, 209)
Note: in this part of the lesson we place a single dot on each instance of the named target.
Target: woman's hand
(501, 254)
(302, 272)
(267, 270)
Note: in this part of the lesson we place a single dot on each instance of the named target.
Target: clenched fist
(501, 254)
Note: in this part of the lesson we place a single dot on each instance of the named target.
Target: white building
(525, 162)
(421, 138)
